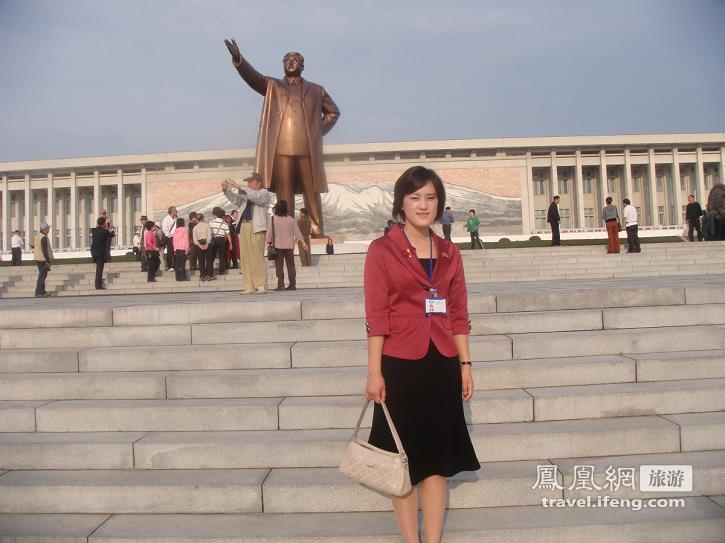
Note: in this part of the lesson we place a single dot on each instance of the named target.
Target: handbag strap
(396, 437)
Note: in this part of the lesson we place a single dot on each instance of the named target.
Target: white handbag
(379, 469)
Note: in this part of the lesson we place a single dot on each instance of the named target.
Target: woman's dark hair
(608, 200)
(150, 225)
(180, 222)
(280, 208)
(101, 221)
(218, 212)
(412, 180)
(626, 201)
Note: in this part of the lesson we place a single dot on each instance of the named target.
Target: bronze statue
(295, 116)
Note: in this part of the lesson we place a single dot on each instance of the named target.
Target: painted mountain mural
(360, 211)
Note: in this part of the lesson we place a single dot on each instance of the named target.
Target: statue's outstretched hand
(233, 50)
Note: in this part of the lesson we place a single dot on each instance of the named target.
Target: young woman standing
(418, 359)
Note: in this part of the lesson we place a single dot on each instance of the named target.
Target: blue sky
(104, 77)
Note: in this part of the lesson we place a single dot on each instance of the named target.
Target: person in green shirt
(472, 224)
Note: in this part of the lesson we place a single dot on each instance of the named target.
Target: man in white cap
(43, 258)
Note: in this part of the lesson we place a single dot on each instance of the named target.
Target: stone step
(589, 298)
(636, 341)
(643, 317)
(680, 365)
(326, 490)
(280, 331)
(266, 383)
(87, 337)
(316, 354)
(193, 313)
(700, 519)
(18, 416)
(481, 306)
(628, 399)
(49, 528)
(132, 491)
(68, 317)
(94, 450)
(230, 356)
(158, 415)
(39, 360)
(488, 406)
(83, 386)
(324, 448)
(700, 431)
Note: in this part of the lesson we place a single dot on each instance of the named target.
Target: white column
(627, 175)
(96, 197)
(121, 234)
(603, 192)
(652, 184)
(73, 211)
(578, 179)
(51, 219)
(29, 232)
(554, 176)
(144, 210)
(676, 181)
(7, 227)
(527, 199)
(700, 174)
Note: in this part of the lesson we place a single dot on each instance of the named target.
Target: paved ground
(122, 300)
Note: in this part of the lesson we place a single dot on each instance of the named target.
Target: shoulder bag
(379, 469)
(272, 252)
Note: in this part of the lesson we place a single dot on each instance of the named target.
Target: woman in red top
(418, 360)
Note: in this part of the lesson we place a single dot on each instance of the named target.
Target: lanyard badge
(434, 304)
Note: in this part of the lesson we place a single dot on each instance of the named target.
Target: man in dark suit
(295, 115)
(552, 217)
(693, 212)
(100, 239)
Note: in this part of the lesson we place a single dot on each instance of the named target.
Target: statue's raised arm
(253, 78)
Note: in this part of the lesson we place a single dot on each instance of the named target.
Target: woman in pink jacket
(282, 234)
(181, 246)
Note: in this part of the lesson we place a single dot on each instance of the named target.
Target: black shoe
(279, 288)
(100, 288)
(152, 280)
(291, 287)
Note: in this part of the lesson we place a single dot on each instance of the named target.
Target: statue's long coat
(320, 111)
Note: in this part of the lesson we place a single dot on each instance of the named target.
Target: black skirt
(424, 400)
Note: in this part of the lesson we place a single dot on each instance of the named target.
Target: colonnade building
(509, 181)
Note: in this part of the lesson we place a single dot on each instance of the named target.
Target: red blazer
(396, 287)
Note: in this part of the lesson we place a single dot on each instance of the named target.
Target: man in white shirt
(630, 221)
(16, 244)
(168, 226)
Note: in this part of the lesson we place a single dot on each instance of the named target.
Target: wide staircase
(345, 270)
(225, 420)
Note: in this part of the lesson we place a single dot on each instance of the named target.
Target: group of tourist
(240, 239)
(709, 224)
